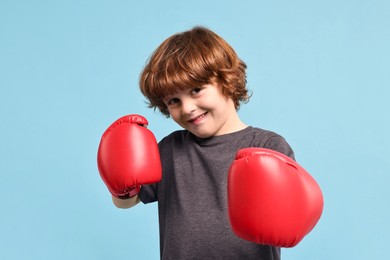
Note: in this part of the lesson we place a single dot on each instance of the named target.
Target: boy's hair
(191, 59)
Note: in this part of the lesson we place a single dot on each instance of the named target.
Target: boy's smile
(204, 111)
(197, 119)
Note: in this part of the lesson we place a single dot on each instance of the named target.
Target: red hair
(191, 59)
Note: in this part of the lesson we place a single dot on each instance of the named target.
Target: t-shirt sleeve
(148, 193)
(279, 144)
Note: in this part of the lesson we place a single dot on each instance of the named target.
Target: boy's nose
(187, 106)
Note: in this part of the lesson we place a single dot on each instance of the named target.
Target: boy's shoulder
(261, 131)
(175, 136)
(271, 140)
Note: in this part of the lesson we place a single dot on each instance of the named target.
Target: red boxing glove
(128, 156)
(271, 199)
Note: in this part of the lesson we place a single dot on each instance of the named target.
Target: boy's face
(204, 111)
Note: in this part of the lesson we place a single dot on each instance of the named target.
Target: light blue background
(319, 71)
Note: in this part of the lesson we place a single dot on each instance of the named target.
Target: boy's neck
(234, 125)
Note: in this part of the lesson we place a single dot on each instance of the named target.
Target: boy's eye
(173, 101)
(195, 91)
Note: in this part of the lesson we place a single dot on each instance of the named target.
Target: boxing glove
(271, 199)
(128, 156)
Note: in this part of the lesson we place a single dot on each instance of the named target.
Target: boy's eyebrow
(166, 98)
(169, 95)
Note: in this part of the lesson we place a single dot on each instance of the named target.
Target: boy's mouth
(197, 119)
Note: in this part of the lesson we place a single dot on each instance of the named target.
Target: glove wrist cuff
(131, 193)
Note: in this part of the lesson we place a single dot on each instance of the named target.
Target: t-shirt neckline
(220, 138)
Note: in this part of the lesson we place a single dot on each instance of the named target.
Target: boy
(196, 78)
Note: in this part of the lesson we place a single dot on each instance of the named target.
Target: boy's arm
(126, 203)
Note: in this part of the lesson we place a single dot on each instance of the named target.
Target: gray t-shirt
(192, 195)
